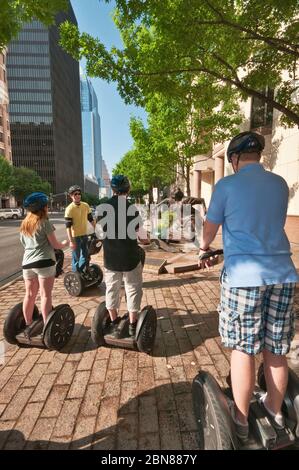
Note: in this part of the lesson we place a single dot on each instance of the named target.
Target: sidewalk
(108, 398)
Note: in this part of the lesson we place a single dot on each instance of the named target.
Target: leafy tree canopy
(6, 171)
(13, 13)
(246, 45)
(26, 181)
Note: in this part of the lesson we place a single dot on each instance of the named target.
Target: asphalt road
(11, 250)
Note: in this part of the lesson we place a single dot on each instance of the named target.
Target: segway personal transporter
(145, 330)
(76, 282)
(214, 422)
(54, 334)
(216, 427)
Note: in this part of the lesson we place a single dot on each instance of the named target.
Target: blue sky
(94, 17)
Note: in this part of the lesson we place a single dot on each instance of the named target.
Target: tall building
(45, 114)
(106, 188)
(5, 143)
(91, 129)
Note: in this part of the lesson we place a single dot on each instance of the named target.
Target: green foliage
(6, 171)
(13, 13)
(91, 199)
(173, 46)
(26, 181)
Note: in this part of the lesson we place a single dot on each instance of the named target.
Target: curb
(11, 282)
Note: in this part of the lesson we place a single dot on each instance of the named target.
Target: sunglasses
(76, 194)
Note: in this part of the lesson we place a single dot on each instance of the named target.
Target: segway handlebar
(210, 253)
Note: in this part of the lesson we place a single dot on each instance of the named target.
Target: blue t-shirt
(252, 206)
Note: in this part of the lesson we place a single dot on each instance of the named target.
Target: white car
(10, 214)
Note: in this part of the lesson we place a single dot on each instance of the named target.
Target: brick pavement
(84, 398)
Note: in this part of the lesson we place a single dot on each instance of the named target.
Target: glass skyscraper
(91, 129)
(45, 114)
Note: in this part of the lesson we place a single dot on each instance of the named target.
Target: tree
(6, 179)
(244, 45)
(26, 181)
(13, 13)
(189, 126)
(91, 199)
(149, 164)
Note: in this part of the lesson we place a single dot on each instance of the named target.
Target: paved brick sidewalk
(106, 398)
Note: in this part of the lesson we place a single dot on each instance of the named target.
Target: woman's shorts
(254, 318)
(39, 272)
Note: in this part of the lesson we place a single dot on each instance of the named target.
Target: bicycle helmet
(35, 201)
(120, 184)
(74, 188)
(246, 142)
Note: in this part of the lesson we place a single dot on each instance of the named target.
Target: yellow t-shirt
(78, 214)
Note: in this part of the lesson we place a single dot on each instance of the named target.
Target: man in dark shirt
(121, 223)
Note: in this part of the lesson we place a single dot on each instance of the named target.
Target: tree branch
(277, 43)
(238, 84)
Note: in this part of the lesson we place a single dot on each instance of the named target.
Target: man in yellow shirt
(76, 216)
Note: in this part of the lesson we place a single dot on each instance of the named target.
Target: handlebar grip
(208, 254)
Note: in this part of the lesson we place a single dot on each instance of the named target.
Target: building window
(261, 112)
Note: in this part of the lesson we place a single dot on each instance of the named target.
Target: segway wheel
(15, 322)
(211, 425)
(59, 327)
(73, 284)
(147, 334)
(96, 272)
(100, 321)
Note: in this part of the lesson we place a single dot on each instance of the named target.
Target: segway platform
(54, 334)
(145, 330)
(216, 428)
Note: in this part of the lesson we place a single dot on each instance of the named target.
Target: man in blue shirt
(258, 278)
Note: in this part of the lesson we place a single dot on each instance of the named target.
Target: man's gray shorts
(133, 287)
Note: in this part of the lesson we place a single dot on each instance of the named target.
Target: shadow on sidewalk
(181, 331)
(162, 283)
(155, 416)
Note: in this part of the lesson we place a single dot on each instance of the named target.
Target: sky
(94, 17)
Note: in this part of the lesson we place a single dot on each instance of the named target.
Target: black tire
(100, 321)
(73, 284)
(212, 427)
(15, 322)
(261, 378)
(14, 217)
(94, 268)
(60, 328)
(147, 334)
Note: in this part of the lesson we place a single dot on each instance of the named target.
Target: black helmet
(74, 188)
(35, 201)
(120, 184)
(246, 142)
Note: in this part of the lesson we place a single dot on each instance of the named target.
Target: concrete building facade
(281, 154)
(45, 112)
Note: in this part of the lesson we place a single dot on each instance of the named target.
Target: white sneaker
(277, 419)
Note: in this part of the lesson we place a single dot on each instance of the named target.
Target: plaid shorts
(254, 318)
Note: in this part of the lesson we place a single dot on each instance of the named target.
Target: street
(11, 250)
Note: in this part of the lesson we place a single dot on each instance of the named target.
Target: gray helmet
(74, 188)
(246, 142)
